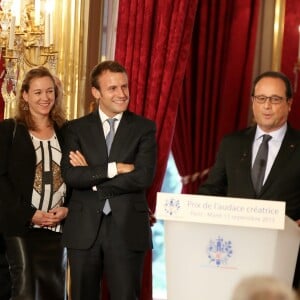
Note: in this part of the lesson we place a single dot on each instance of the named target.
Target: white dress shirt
(274, 145)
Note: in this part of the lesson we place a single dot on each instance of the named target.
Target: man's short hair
(108, 65)
(279, 75)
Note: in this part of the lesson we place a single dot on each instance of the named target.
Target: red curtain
(1, 101)
(2, 70)
(216, 93)
(153, 42)
(291, 54)
(2, 74)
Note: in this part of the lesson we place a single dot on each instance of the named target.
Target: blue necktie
(260, 163)
(109, 139)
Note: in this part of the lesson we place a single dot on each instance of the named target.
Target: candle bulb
(12, 33)
(49, 8)
(51, 28)
(17, 9)
(37, 11)
(47, 30)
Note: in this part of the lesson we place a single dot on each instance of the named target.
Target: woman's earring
(25, 106)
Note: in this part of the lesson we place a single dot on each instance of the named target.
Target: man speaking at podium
(263, 161)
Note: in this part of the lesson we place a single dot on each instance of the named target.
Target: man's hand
(124, 168)
(77, 159)
(298, 222)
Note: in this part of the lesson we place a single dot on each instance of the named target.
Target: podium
(211, 243)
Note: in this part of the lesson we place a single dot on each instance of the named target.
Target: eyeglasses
(261, 99)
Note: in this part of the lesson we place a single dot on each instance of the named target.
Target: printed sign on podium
(213, 242)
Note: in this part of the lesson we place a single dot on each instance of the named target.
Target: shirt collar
(276, 134)
(104, 117)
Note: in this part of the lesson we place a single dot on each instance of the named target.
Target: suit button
(98, 211)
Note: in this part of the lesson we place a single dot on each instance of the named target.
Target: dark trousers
(37, 265)
(108, 257)
(5, 284)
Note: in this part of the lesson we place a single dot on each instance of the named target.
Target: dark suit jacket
(231, 174)
(5, 282)
(134, 143)
(17, 172)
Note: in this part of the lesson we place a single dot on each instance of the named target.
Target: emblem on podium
(219, 251)
(172, 206)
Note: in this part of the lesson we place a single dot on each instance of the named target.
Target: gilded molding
(70, 40)
(278, 34)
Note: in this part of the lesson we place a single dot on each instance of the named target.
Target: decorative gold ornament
(26, 40)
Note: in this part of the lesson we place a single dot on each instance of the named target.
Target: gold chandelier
(26, 40)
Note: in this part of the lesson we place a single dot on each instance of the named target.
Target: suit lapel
(289, 145)
(122, 134)
(96, 133)
(246, 159)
